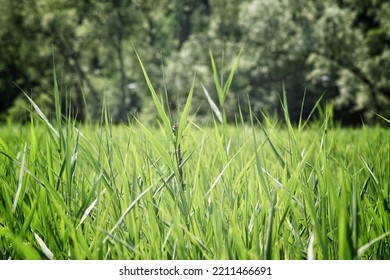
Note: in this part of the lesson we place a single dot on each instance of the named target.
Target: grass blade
(42, 116)
(214, 107)
(44, 248)
(367, 246)
(20, 181)
(216, 79)
(128, 209)
(231, 75)
(159, 107)
(184, 114)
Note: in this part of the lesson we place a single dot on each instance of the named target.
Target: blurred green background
(338, 49)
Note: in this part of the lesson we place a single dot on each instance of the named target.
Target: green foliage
(335, 49)
(272, 191)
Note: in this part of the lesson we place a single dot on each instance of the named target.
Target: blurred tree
(336, 48)
(276, 50)
(22, 52)
(351, 49)
(339, 48)
(118, 21)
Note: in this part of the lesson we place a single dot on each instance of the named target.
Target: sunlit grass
(263, 190)
(108, 193)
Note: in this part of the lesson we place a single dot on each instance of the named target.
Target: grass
(267, 190)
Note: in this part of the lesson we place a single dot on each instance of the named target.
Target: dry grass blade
(20, 181)
(44, 248)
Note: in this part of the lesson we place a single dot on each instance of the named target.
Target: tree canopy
(338, 49)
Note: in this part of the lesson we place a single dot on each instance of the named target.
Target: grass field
(264, 190)
(245, 192)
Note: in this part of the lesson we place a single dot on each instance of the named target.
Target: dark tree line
(338, 49)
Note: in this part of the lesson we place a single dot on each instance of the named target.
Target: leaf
(214, 107)
(120, 220)
(159, 107)
(44, 248)
(231, 75)
(89, 209)
(368, 168)
(223, 170)
(184, 115)
(216, 79)
(57, 98)
(382, 117)
(367, 246)
(20, 181)
(42, 116)
(157, 143)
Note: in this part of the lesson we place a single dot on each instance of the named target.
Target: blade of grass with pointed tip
(56, 98)
(89, 209)
(20, 181)
(214, 107)
(367, 246)
(276, 152)
(216, 79)
(157, 144)
(382, 117)
(42, 116)
(301, 112)
(231, 75)
(369, 169)
(128, 209)
(184, 114)
(311, 112)
(223, 170)
(258, 163)
(159, 107)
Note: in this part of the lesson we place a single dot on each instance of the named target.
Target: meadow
(263, 189)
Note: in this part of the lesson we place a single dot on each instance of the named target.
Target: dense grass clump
(268, 190)
(108, 192)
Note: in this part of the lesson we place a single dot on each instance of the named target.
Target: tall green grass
(264, 190)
